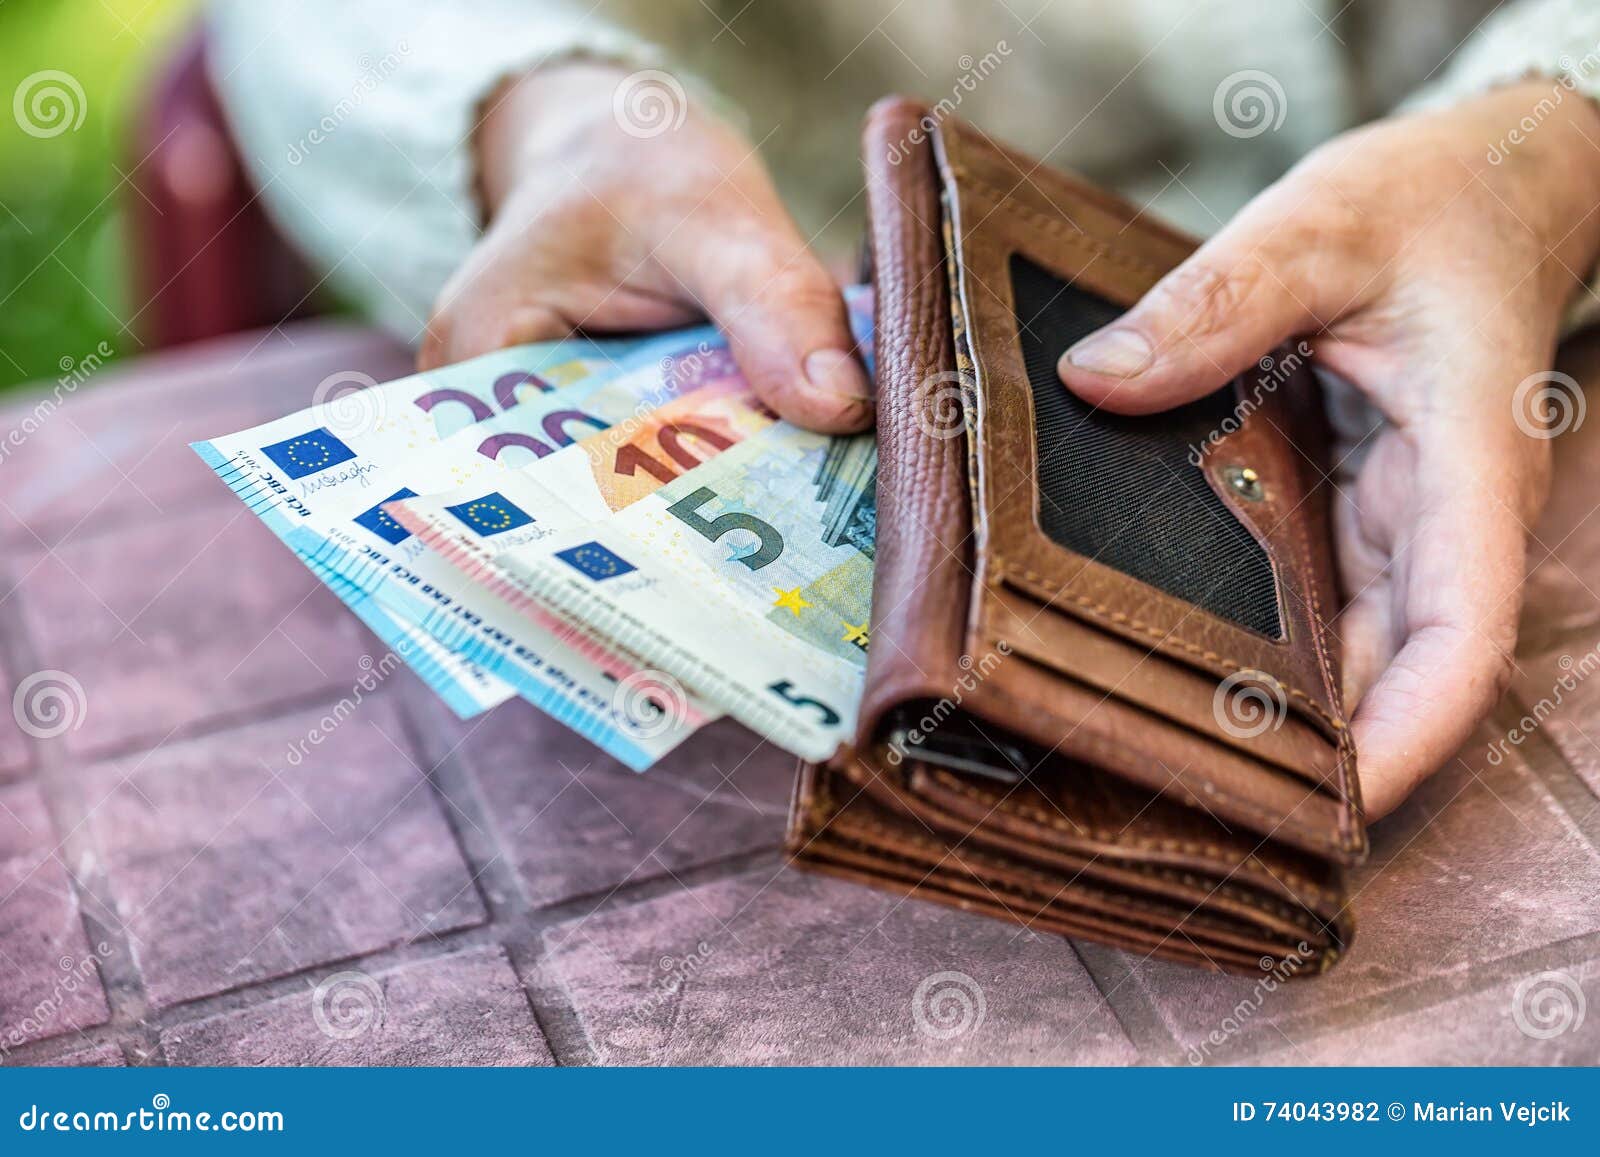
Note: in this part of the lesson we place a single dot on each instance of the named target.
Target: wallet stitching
(1210, 851)
(1301, 917)
(1319, 639)
(1096, 245)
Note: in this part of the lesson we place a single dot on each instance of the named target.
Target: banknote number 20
(687, 510)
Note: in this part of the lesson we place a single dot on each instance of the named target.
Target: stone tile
(230, 862)
(1562, 592)
(165, 627)
(783, 967)
(115, 450)
(1544, 1018)
(1479, 865)
(49, 976)
(729, 759)
(1557, 693)
(466, 1009)
(578, 823)
(106, 1055)
(14, 750)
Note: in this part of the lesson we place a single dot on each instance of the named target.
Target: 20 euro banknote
(285, 468)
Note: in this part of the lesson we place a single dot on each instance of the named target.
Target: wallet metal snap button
(1244, 482)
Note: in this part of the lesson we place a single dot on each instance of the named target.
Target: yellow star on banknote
(790, 600)
(855, 634)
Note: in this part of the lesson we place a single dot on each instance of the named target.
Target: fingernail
(1117, 353)
(836, 372)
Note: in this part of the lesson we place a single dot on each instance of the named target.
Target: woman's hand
(592, 227)
(1433, 281)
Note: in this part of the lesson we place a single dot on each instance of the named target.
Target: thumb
(785, 320)
(1237, 297)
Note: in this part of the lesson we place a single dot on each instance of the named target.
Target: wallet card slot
(1234, 595)
(1127, 492)
(1252, 716)
(1124, 739)
(1157, 922)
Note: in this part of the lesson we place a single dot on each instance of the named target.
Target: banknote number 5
(784, 690)
(687, 509)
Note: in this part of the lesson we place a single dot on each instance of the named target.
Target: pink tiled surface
(421, 890)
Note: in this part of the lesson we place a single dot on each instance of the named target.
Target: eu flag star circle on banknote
(381, 523)
(492, 514)
(310, 452)
(595, 561)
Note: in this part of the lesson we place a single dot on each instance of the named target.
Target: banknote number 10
(687, 510)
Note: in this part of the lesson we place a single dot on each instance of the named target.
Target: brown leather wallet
(1101, 697)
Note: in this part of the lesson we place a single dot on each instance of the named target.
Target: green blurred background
(63, 262)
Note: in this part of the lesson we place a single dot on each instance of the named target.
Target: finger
(1268, 275)
(785, 320)
(1457, 587)
(470, 326)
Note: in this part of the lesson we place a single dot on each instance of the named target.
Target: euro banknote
(283, 469)
(746, 580)
(575, 430)
(351, 535)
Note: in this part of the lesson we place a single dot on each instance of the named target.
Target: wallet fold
(1101, 695)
